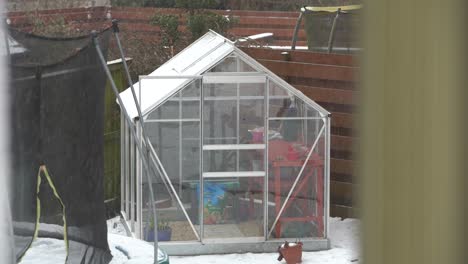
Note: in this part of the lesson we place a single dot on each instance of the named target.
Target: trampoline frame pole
(116, 30)
(296, 30)
(331, 37)
(133, 133)
(149, 148)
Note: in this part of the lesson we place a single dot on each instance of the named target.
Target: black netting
(318, 26)
(58, 121)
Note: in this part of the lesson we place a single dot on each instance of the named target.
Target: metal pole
(139, 189)
(180, 143)
(327, 176)
(237, 115)
(297, 180)
(133, 133)
(132, 183)
(266, 128)
(122, 161)
(296, 30)
(7, 44)
(201, 184)
(331, 38)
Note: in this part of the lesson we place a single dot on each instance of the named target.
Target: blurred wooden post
(411, 129)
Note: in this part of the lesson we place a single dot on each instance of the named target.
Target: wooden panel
(341, 193)
(343, 211)
(309, 70)
(327, 95)
(277, 33)
(342, 120)
(278, 22)
(260, 13)
(301, 56)
(342, 143)
(299, 43)
(341, 166)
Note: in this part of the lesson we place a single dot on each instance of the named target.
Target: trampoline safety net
(325, 29)
(57, 121)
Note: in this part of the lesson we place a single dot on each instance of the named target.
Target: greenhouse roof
(194, 60)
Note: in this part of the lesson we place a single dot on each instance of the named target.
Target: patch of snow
(114, 226)
(344, 236)
(45, 251)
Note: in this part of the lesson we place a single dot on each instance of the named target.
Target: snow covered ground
(344, 236)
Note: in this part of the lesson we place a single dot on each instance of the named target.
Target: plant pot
(291, 252)
(164, 235)
(149, 234)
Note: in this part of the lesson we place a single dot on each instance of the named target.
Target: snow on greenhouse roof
(194, 60)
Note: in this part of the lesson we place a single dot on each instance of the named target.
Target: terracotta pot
(291, 252)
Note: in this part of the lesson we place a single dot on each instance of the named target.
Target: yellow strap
(43, 169)
(331, 9)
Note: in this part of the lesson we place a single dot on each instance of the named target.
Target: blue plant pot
(164, 235)
(149, 234)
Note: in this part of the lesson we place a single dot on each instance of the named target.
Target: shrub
(198, 23)
(169, 25)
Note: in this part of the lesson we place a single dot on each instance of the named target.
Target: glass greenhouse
(241, 157)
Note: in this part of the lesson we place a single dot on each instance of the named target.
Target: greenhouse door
(233, 147)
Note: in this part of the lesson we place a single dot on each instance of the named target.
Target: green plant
(162, 225)
(169, 25)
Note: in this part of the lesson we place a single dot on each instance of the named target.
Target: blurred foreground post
(411, 125)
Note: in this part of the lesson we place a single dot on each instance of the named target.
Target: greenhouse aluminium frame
(199, 78)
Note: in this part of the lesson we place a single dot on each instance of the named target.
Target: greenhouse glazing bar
(327, 174)
(265, 158)
(202, 138)
(122, 162)
(295, 118)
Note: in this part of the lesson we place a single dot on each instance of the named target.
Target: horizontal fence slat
(301, 56)
(341, 143)
(278, 33)
(342, 120)
(341, 166)
(309, 70)
(343, 211)
(342, 193)
(327, 95)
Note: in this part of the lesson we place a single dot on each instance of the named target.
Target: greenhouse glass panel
(232, 63)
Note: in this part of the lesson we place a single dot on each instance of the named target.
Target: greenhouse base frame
(238, 245)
